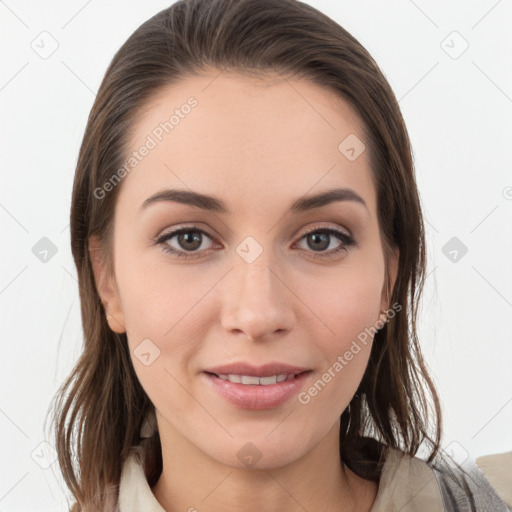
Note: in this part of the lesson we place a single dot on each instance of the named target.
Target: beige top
(407, 484)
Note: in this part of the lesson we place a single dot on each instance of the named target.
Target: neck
(193, 481)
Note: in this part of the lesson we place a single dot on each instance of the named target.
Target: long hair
(101, 406)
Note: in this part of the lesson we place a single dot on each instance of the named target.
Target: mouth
(254, 392)
(253, 380)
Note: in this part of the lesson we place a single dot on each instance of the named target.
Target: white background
(458, 112)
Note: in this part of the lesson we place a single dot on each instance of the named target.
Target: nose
(258, 301)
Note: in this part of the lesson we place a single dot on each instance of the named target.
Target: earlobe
(106, 288)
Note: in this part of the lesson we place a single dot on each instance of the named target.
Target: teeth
(246, 379)
(252, 380)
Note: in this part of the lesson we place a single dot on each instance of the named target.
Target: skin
(257, 144)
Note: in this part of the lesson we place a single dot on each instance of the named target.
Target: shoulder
(410, 484)
(407, 484)
(497, 468)
(134, 491)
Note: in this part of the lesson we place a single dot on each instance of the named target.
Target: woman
(250, 250)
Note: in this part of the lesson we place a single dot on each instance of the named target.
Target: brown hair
(102, 405)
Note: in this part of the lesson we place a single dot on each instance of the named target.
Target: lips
(266, 370)
(251, 380)
(257, 387)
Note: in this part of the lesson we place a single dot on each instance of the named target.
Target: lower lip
(257, 397)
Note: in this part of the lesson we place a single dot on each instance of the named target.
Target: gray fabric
(468, 490)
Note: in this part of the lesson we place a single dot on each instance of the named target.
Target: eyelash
(343, 237)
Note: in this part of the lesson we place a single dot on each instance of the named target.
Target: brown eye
(188, 242)
(320, 239)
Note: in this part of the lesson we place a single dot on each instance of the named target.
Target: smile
(256, 393)
(257, 381)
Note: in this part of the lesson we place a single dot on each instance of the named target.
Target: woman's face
(253, 286)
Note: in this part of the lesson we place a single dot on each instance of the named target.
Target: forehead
(267, 137)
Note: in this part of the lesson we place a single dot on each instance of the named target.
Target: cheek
(349, 307)
(163, 318)
(158, 299)
(355, 309)
(346, 303)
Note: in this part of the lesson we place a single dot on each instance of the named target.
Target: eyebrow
(213, 204)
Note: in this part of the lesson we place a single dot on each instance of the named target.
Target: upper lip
(265, 370)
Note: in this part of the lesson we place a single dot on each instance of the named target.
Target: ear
(107, 289)
(389, 283)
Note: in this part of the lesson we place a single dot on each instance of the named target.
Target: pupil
(317, 237)
(188, 238)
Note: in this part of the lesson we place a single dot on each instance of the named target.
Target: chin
(257, 452)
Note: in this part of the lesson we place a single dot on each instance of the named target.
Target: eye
(321, 238)
(189, 241)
